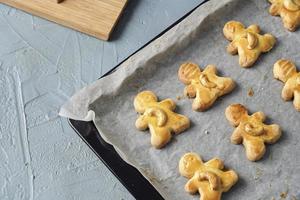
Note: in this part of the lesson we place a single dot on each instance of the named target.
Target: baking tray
(199, 38)
(129, 176)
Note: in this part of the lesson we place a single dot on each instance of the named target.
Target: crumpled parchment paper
(199, 38)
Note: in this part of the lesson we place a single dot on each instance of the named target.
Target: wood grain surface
(93, 17)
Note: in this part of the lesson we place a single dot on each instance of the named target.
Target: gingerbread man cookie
(289, 10)
(285, 71)
(159, 118)
(251, 131)
(247, 42)
(204, 86)
(209, 179)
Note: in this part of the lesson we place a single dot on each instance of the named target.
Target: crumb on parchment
(283, 195)
(179, 97)
(250, 92)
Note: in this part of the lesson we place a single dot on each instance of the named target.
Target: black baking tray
(129, 176)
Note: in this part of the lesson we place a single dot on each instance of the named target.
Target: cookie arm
(255, 28)
(225, 85)
(168, 103)
(272, 133)
(190, 91)
(215, 163)
(260, 116)
(210, 69)
(232, 48)
(141, 123)
(181, 123)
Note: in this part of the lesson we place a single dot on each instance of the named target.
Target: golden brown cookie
(247, 42)
(251, 131)
(209, 179)
(288, 10)
(159, 118)
(285, 71)
(205, 87)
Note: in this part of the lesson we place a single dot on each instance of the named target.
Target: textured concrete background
(41, 65)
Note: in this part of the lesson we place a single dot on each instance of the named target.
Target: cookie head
(188, 72)
(284, 69)
(231, 28)
(143, 99)
(189, 164)
(234, 113)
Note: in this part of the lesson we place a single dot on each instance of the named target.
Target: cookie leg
(275, 7)
(229, 179)
(290, 25)
(191, 186)
(297, 100)
(287, 93)
(159, 136)
(255, 149)
(204, 100)
(236, 137)
(207, 194)
(247, 58)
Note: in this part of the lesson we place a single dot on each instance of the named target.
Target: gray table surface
(41, 65)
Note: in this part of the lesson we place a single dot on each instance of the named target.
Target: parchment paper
(199, 38)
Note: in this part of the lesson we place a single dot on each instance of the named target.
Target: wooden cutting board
(93, 17)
